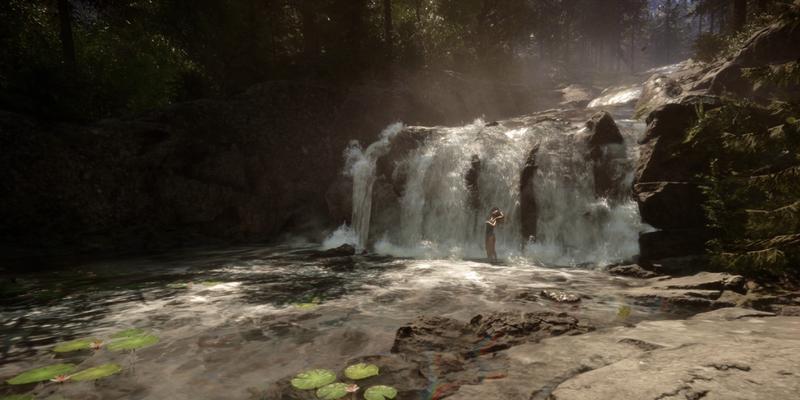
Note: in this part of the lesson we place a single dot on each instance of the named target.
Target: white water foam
(435, 217)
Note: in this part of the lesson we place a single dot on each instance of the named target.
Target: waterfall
(360, 164)
(424, 206)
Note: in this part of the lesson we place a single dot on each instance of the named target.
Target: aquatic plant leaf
(98, 372)
(333, 391)
(210, 283)
(306, 306)
(361, 371)
(75, 345)
(128, 333)
(624, 312)
(380, 392)
(313, 379)
(179, 285)
(41, 374)
(133, 342)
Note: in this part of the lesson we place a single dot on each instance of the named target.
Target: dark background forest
(92, 59)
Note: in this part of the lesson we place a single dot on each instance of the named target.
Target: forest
(399, 199)
(90, 59)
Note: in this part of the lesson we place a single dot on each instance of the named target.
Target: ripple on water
(246, 323)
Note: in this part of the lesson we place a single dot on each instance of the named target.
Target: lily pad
(75, 345)
(95, 373)
(333, 391)
(361, 371)
(210, 283)
(41, 374)
(313, 379)
(179, 285)
(128, 333)
(133, 342)
(380, 392)
(624, 312)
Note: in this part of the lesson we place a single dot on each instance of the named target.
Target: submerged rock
(559, 296)
(341, 251)
(632, 270)
(701, 291)
(529, 215)
(605, 152)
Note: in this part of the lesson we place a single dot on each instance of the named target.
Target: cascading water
(431, 199)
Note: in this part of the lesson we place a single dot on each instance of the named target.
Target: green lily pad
(128, 333)
(313, 379)
(306, 306)
(96, 373)
(180, 285)
(210, 283)
(361, 371)
(380, 392)
(75, 345)
(41, 374)
(333, 391)
(624, 312)
(133, 342)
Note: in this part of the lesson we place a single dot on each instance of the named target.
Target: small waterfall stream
(431, 199)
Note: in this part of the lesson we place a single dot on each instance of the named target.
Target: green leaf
(128, 333)
(133, 343)
(180, 285)
(313, 379)
(333, 391)
(75, 345)
(361, 371)
(41, 374)
(95, 373)
(380, 392)
(210, 283)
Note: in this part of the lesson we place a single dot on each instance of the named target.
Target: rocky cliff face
(672, 165)
(244, 168)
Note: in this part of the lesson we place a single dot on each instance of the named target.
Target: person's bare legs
(491, 254)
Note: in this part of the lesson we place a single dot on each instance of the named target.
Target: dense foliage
(753, 181)
(723, 26)
(95, 58)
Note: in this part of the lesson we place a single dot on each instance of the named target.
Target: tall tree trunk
(65, 33)
(355, 33)
(310, 32)
(387, 29)
(633, 47)
(739, 14)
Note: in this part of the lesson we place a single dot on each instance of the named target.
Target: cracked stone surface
(710, 356)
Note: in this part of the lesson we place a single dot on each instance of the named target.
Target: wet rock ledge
(434, 356)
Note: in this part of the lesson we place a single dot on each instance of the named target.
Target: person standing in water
(495, 216)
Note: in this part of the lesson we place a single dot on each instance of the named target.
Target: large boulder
(666, 129)
(672, 243)
(670, 205)
(772, 45)
(604, 131)
(741, 359)
(605, 150)
(527, 196)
